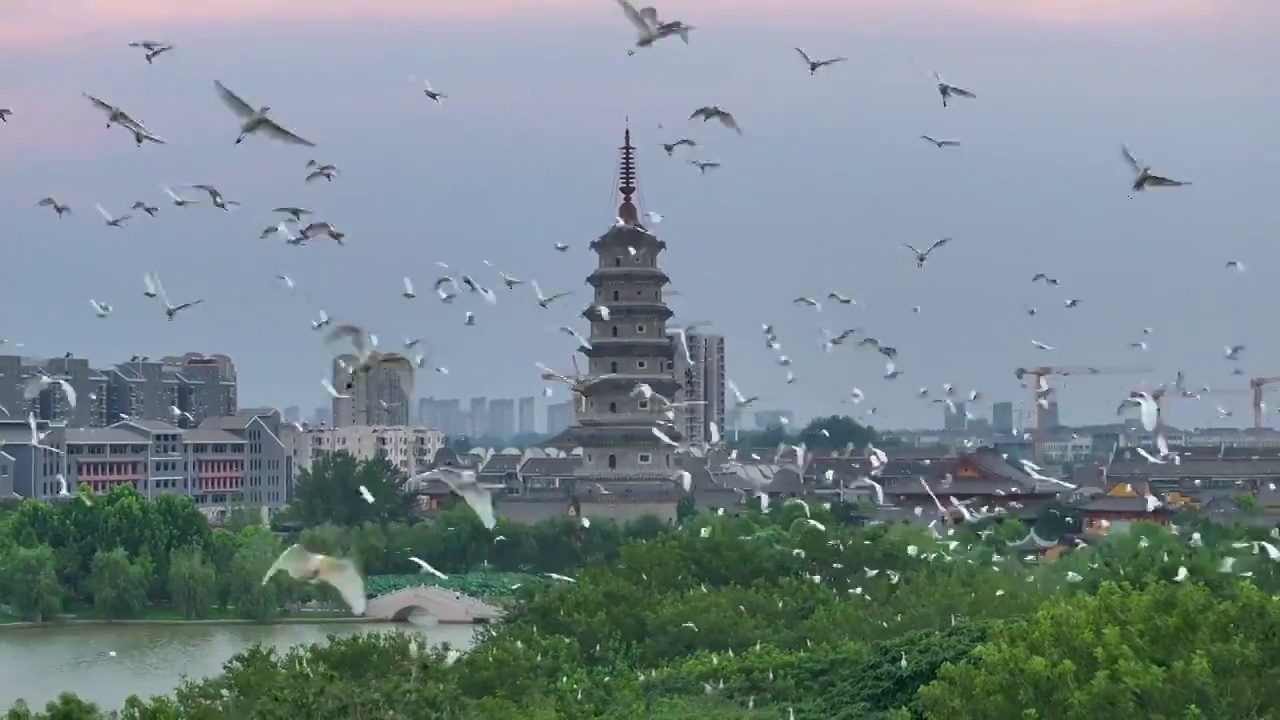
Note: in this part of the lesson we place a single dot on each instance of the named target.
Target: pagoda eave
(627, 274)
(628, 236)
(628, 381)
(631, 310)
(607, 348)
(606, 436)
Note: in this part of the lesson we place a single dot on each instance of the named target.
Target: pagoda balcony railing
(639, 418)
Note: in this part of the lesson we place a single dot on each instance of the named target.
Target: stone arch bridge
(445, 606)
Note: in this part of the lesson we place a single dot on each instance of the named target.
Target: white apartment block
(406, 448)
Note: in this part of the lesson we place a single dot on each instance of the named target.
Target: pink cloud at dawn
(33, 22)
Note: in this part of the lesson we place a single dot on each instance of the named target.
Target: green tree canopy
(329, 492)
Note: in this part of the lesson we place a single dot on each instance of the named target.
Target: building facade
(702, 379)
(227, 462)
(954, 418)
(406, 448)
(1002, 418)
(502, 418)
(559, 417)
(375, 397)
(478, 417)
(526, 417)
(615, 426)
(180, 390)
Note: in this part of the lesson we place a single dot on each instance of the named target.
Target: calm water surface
(38, 663)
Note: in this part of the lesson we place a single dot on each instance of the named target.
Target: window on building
(645, 458)
(641, 364)
(615, 294)
(671, 365)
(617, 262)
(643, 404)
(613, 407)
(640, 329)
(614, 331)
(613, 366)
(613, 462)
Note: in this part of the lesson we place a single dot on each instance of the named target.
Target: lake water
(37, 664)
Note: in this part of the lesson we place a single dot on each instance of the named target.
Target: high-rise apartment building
(953, 416)
(559, 417)
(701, 378)
(182, 390)
(374, 397)
(1002, 418)
(478, 417)
(526, 420)
(502, 418)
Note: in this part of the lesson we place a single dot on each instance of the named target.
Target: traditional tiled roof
(1239, 468)
(501, 464)
(564, 467)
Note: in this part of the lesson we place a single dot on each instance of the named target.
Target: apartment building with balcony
(231, 461)
(406, 448)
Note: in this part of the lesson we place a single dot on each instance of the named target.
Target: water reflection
(39, 663)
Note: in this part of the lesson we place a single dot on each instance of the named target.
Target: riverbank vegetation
(767, 615)
(123, 557)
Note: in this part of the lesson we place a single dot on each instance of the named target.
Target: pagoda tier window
(613, 462)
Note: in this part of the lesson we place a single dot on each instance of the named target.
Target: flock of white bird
(295, 230)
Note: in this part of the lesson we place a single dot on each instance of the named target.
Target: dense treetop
(766, 615)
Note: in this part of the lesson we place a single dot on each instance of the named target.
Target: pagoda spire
(627, 211)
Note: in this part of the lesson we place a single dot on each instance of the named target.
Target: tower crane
(1161, 394)
(1041, 384)
(1257, 385)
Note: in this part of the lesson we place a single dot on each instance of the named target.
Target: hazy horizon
(826, 183)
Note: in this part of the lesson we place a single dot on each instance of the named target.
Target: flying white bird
(1144, 178)
(426, 567)
(117, 222)
(941, 143)
(100, 309)
(37, 384)
(255, 121)
(1149, 409)
(288, 281)
(710, 112)
(948, 91)
(339, 573)
(333, 392)
(465, 485)
(408, 293)
(52, 202)
(321, 322)
(922, 256)
(178, 199)
(366, 495)
(1041, 345)
(544, 300)
(816, 65)
(155, 288)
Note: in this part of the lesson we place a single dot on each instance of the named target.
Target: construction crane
(1041, 385)
(1257, 385)
(1162, 393)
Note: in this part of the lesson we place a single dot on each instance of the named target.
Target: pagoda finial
(627, 180)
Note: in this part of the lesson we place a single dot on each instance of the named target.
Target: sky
(827, 181)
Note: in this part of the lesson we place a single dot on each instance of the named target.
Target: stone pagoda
(614, 427)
